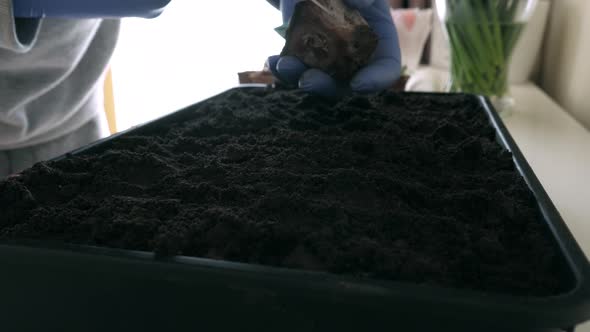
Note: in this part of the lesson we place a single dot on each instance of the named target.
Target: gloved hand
(383, 70)
(88, 8)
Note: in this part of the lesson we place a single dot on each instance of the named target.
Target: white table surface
(558, 149)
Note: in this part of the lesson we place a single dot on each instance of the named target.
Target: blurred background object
(565, 74)
(482, 35)
(413, 28)
(526, 59)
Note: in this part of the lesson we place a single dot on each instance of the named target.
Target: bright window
(191, 52)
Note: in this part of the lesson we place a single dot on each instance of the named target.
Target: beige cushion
(566, 65)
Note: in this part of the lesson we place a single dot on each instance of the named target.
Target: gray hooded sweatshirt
(51, 74)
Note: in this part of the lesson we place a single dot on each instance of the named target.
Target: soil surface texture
(390, 186)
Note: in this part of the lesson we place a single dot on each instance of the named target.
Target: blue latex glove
(88, 8)
(382, 72)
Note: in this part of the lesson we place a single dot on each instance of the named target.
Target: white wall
(191, 52)
(566, 68)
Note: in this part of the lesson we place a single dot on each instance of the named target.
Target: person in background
(51, 73)
(54, 55)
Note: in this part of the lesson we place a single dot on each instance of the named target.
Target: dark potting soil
(401, 187)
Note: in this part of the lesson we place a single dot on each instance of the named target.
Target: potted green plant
(482, 35)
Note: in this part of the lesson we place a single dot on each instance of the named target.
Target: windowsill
(558, 149)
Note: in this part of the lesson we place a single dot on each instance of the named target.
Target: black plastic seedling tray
(79, 288)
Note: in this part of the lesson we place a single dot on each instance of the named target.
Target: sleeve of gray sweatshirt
(51, 72)
(17, 35)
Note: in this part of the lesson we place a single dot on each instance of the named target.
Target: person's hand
(382, 72)
(88, 8)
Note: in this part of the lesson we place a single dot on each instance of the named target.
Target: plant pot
(482, 35)
(70, 270)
